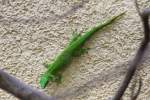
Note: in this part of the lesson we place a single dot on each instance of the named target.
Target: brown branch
(19, 89)
(139, 55)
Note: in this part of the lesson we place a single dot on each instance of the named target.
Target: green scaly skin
(66, 55)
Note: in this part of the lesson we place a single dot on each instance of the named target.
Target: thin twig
(138, 91)
(139, 55)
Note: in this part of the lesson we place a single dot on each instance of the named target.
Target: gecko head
(44, 81)
(48, 77)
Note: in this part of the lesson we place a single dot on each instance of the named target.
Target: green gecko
(71, 50)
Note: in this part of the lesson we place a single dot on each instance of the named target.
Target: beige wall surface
(35, 31)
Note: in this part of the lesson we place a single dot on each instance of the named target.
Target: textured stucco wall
(35, 31)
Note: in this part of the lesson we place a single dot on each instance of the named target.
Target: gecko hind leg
(80, 51)
(75, 37)
(46, 65)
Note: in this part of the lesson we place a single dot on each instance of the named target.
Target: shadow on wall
(53, 19)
